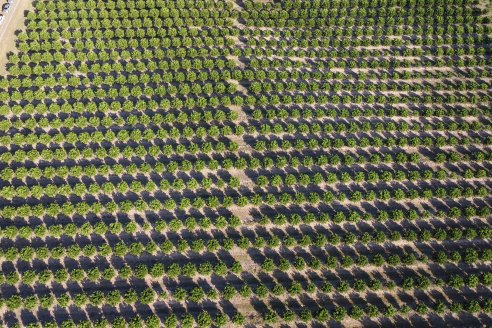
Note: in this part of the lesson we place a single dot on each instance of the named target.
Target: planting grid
(283, 163)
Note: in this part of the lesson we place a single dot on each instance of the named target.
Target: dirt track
(13, 21)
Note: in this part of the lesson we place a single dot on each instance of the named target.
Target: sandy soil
(13, 21)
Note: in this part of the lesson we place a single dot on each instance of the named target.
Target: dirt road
(13, 21)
